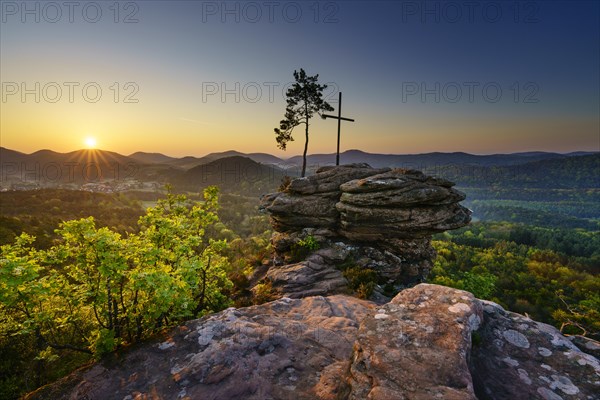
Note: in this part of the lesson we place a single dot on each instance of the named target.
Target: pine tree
(304, 98)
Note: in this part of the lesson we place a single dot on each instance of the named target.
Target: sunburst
(90, 142)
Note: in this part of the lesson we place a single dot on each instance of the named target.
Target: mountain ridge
(418, 160)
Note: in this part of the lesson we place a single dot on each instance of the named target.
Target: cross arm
(336, 117)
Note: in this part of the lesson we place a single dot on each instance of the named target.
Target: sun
(90, 142)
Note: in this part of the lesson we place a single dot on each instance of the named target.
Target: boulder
(286, 349)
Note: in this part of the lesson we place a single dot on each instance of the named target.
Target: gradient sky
(542, 55)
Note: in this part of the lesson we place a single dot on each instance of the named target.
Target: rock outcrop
(429, 342)
(375, 219)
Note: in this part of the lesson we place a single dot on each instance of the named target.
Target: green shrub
(361, 280)
(263, 292)
(309, 243)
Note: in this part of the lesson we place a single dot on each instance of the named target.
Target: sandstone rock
(393, 268)
(413, 194)
(518, 358)
(378, 223)
(313, 277)
(410, 249)
(386, 216)
(286, 349)
(329, 178)
(292, 212)
(284, 241)
(399, 188)
(587, 345)
(392, 179)
(416, 347)
(321, 272)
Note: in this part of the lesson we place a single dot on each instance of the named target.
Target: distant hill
(262, 158)
(566, 172)
(151, 158)
(49, 156)
(9, 156)
(428, 160)
(73, 167)
(190, 162)
(235, 174)
(46, 166)
(186, 162)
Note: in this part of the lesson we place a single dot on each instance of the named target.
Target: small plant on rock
(309, 243)
(285, 183)
(361, 280)
(263, 292)
(301, 249)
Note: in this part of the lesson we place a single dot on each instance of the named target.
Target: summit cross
(339, 119)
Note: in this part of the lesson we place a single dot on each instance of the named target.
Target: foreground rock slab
(429, 342)
(286, 349)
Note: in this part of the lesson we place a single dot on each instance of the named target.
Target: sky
(194, 77)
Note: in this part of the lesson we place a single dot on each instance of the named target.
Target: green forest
(549, 274)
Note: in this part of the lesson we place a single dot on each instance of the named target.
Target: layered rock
(429, 342)
(314, 276)
(310, 202)
(378, 219)
(399, 204)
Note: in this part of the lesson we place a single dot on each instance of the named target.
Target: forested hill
(581, 172)
(234, 174)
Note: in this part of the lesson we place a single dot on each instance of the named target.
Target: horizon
(164, 77)
(293, 156)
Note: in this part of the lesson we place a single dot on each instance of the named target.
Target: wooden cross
(339, 118)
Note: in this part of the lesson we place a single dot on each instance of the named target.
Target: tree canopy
(96, 290)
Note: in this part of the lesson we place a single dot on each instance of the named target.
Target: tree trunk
(305, 142)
